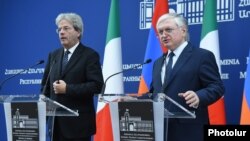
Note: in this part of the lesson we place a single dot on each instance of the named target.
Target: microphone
(38, 63)
(104, 85)
(47, 80)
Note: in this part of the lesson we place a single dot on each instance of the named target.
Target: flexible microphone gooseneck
(38, 63)
(48, 76)
(137, 66)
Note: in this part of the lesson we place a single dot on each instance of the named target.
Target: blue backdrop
(28, 33)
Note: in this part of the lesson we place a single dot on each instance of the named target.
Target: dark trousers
(62, 138)
(58, 136)
(179, 131)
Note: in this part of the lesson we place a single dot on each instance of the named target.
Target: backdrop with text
(28, 33)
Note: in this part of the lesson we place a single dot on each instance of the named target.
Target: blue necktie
(65, 59)
(168, 69)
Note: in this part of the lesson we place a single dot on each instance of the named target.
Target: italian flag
(112, 64)
(210, 41)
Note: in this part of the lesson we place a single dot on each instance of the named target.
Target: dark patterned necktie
(65, 59)
(168, 69)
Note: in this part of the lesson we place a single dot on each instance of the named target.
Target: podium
(173, 109)
(25, 115)
(143, 119)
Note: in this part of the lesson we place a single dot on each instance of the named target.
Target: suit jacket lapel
(157, 73)
(183, 58)
(57, 65)
(75, 56)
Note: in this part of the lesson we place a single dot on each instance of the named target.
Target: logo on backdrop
(136, 121)
(192, 10)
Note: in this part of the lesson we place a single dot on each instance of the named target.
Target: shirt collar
(72, 49)
(179, 49)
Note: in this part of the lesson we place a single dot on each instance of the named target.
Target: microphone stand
(101, 98)
(48, 76)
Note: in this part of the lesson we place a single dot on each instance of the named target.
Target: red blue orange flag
(154, 48)
(245, 108)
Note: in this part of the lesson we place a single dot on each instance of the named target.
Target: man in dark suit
(72, 76)
(187, 74)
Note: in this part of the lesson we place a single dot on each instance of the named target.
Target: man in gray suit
(187, 74)
(72, 76)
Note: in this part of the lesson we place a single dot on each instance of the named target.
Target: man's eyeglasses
(66, 28)
(167, 30)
